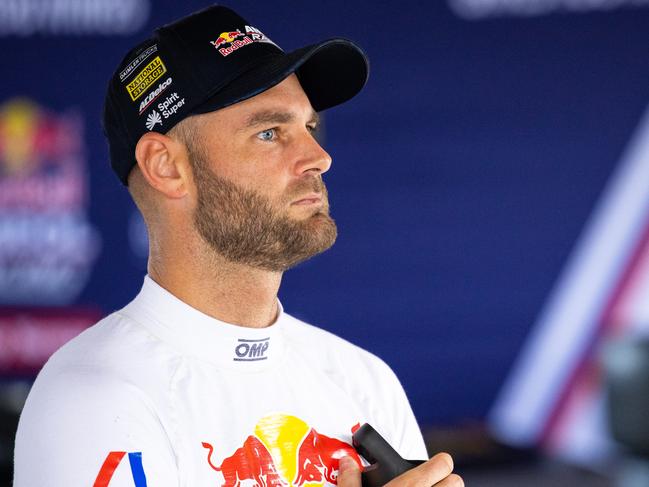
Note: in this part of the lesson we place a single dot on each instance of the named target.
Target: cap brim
(330, 73)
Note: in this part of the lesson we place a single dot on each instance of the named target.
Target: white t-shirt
(159, 394)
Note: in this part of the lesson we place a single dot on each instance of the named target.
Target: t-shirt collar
(192, 332)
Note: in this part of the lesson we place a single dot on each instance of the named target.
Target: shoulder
(109, 379)
(114, 357)
(335, 352)
(364, 377)
(96, 394)
(301, 333)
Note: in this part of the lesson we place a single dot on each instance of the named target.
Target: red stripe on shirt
(108, 468)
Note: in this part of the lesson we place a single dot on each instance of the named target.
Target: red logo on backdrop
(283, 451)
(47, 244)
(39, 158)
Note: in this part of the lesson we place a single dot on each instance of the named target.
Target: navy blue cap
(209, 60)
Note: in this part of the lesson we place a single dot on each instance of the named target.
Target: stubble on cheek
(244, 226)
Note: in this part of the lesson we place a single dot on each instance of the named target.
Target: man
(203, 379)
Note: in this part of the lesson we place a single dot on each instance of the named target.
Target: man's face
(258, 170)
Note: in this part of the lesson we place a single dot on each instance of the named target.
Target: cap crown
(163, 79)
(208, 60)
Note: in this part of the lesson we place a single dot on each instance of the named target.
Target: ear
(163, 163)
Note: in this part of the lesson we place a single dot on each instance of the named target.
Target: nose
(311, 156)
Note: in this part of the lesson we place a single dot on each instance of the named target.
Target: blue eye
(266, 135)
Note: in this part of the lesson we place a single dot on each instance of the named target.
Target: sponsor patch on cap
(228, 42)
(164, 109)
(153, 95)
(145, 78)
(132, 66)
(152, 119)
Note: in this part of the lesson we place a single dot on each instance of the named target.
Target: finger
(428, 473)
(348, 473)
(452, 480)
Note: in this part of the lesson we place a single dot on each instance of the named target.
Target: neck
(230, 292)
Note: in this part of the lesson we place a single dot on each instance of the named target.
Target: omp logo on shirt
(251, 350)
(145, 78)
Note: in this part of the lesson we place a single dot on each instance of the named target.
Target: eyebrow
(272, 116)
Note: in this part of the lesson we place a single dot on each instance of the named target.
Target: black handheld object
(385, 462)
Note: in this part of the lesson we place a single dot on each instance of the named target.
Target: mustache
(314, 184)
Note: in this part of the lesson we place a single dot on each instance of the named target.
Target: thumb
(348, 473)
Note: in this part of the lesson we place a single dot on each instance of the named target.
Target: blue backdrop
(462, 174)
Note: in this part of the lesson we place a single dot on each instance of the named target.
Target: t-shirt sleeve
(87, 429)
(406, 435)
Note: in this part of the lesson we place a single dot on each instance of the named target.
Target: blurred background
(491, 188)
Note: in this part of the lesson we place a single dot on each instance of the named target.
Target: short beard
(244, 227)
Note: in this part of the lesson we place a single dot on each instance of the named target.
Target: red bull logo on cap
(227, 37)
(284, 451)
(228, 42)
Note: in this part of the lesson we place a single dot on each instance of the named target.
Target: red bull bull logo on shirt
(252, 461)
(283, 451)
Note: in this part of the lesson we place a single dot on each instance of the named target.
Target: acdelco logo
(251, 350)
(154, 94)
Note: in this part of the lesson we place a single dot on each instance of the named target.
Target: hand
(435, 472)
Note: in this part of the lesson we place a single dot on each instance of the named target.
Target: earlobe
(162, 161)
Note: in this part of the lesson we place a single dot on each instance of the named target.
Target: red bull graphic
(227, 38)
(283, 451)
(252, 461)
(318, 458)
(228, 42)
(47, 245)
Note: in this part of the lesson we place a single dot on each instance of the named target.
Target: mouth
(308, 200)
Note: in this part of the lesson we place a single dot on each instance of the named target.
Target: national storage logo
(145, 78)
